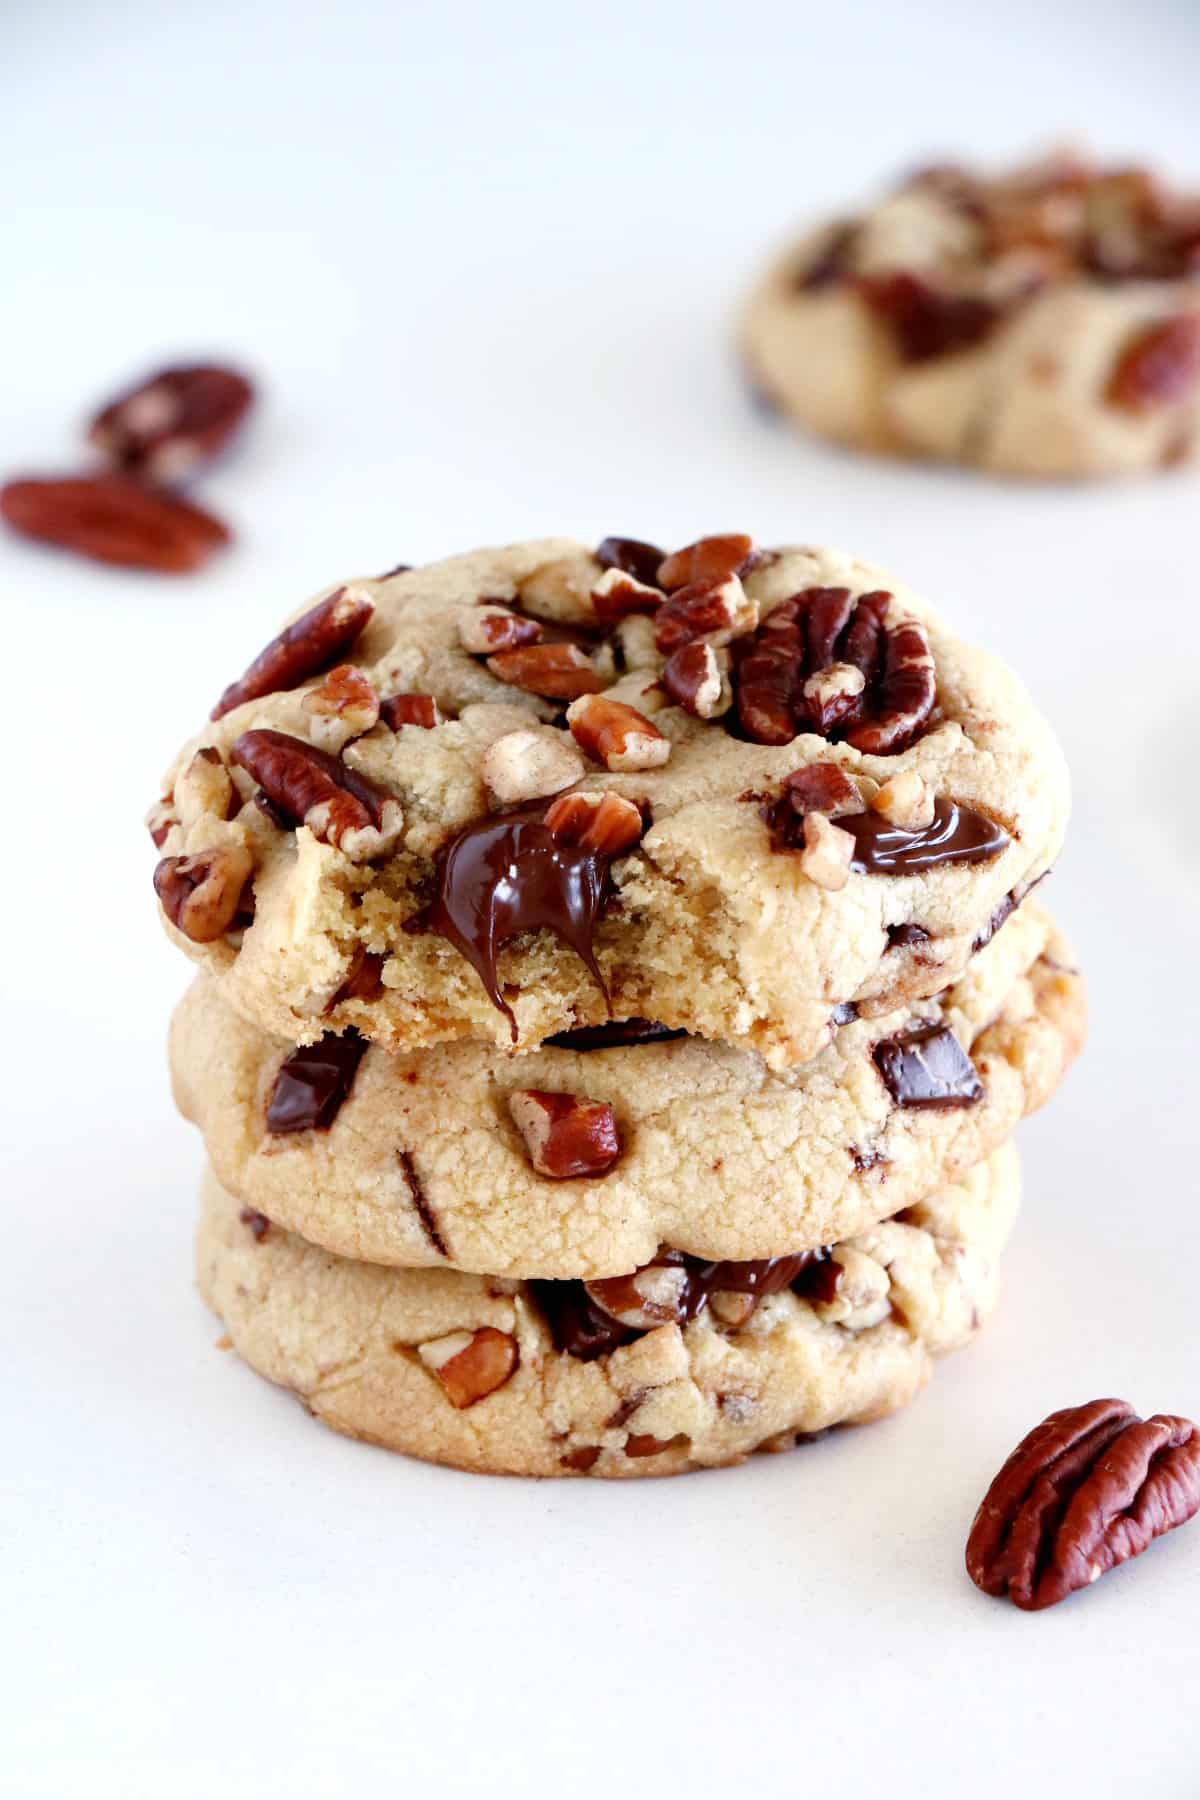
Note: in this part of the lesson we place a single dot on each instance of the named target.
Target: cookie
(421, 1159)
(512, 1379)
(1044, 323)
(796, 791)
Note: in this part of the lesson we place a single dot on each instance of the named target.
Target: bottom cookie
(467, 1370)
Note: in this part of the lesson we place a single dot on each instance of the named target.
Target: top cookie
(1043, 323)
(779, 787)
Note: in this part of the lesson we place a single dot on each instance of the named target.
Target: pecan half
(309, 787)
(708, 561)
(1159, 367)
(471, 1365)
(555, 671)
(302, 649)
(168, 425)
(410, 709)
(875, 681)
(616, 735)
(925, 321)
(343, 707)
(112, 519)
(1090, 1487)
(607, 824)
(566, 1137)
(201, 895)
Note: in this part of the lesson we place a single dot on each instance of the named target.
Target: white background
(484, 260)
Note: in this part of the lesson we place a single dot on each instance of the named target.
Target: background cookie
(459, 1369)
(339, 851)
(1043, 323)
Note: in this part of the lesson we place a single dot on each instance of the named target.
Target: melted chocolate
(312, 1083)
(506, 875)
(958, 834)
(577, 1325)
(903, 937)
(614, 1035)
(928, 1068)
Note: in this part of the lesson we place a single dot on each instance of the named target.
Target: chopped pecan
(343, 707)
(309, 787)
(821, 788)
(607, 824)
(303, 649)
(906, 800)
(825, 632)
(161, 821)
(1159, 367)
(529, 765)
(717, 612)
(204, 788)
(485, 629)
(166, 426)
(566, 1137)
(471, 1365)
(618, 596)
(633, 557)
(659, 1293)
(925, 321)
(1090, 1487)
(708, 561)
(410, 709)
(827, 852)
(696, 678)
(555, 671)
(113, 519)
(201, 895)
(616, 735)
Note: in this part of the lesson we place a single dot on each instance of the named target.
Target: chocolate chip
(312, 1083)
(577, 1326)
(421, 1202)
(614, 1035)
(256, 1223)
(902, 937)
(633, 557)
(928, 1068)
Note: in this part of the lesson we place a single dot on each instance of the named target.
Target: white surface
(483, 260)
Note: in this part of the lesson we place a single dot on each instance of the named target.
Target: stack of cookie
(617, 991)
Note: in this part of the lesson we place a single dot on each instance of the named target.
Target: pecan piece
(410, 709)
(309, 787)
(166, 426)
(487, 628)
(113, 520)
(618, 595)
(530, 765)
(925, 321)
(343, 707)
(566, 1137)
(696, 678)
(616, 735)
(204, 789)
(659, 1293)
(161, 821)
(1090, 1487)
(303, 649)
(201, 895)
(708, 561)
(822, 788)
(907, 690)
(714, 611)
(1159, 367)
(471, 1365)
(554, 671)
(607, 824)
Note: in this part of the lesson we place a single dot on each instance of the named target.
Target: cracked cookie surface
(304, 832)
(459, 1369)
(424, 1163)
(1045, 323)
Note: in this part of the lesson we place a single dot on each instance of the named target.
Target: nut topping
(164, 428)
(201, 895)
(1090, 1487)
(827, 853)
(709, 560)
(113, 519)
(566, 1137)
(606, 824)
(656, 1294)
(926, 322)
(204, 789)
(529, 765)
(555, 671)
(471, 1365)
(484, 629)
(303, 649)
(696, 678)
(343, 707)
(716, 612)
(410, 709)
(906, 800)
(822, 788)
(307, 786)
(616, 735)
(617, 595)
(161, 821)
(1159, 367)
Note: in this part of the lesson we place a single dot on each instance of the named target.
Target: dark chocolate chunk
(633, 557)
(903, 937)
(312, 1083)
(614, 1035)
(421, 1204)
(577, 1325)
(928, 1068)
